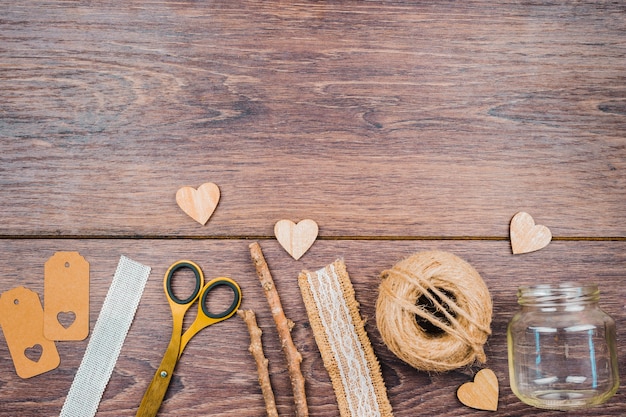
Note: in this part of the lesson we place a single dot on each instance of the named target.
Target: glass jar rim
(557, 294)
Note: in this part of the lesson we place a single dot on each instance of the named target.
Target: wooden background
(397, 126)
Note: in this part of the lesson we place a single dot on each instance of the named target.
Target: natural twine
(464, 316)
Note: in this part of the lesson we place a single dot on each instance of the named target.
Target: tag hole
(16, 301)
(66, 318)
(34, 353)
(67, 264)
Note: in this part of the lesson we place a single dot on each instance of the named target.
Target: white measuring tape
(107, 338)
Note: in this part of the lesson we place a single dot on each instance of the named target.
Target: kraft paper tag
(21, 318)
(66, 297)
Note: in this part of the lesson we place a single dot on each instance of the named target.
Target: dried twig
(284, 326)
(256, 348)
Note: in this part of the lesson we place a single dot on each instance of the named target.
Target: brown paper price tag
(21, 317)
(66, 297)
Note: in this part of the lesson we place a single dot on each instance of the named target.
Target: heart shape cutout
(482, 394)
(199, 204)
(296, 239)
(34, 353)
(526, 236)
(66, 318)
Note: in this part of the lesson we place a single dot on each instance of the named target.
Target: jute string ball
(434, 311)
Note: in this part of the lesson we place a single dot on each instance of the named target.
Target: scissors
(155, 393)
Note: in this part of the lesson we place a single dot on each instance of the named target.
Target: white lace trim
(344, 343)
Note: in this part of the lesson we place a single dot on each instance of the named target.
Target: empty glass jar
(562, 349)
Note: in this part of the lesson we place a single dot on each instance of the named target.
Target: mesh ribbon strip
(109, 333)
(345, 348)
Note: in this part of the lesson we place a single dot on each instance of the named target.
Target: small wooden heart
(199, 204)
(296, 239)
(34, 353)
(526, 236)
(482, 394)
(66, 318)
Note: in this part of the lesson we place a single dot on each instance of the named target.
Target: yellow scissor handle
(205, 317)
(167, 282)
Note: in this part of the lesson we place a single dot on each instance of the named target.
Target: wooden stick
(256, 348)
(284, 326)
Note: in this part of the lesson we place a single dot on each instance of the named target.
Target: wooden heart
(199, 204)
(34, 353)
(296, 239)
(526, 236)
(482, 394)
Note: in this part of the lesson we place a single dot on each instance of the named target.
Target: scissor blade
(152, 399)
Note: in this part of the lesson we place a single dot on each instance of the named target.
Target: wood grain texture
(527, 236)
(435, 118)
(482, 393)
(216, 375)
(199, 204)
(398, 126)
(296, 238)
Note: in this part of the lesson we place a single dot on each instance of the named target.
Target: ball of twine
(443, 292)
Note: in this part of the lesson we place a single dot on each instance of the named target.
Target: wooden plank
(217, 376)
(374, 119)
